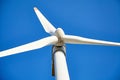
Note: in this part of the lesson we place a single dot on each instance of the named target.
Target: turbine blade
(30, 46)
(80, 40)
(49, 28)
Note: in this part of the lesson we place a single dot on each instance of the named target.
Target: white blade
(80, 40)
(49, 28)
(30, 46)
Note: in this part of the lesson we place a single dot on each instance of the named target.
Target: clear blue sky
(97, 19)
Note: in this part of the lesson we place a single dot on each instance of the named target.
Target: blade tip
(35, 8)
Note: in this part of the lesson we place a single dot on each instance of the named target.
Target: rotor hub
(60, 34)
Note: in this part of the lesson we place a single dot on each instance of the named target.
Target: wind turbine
(58, 39)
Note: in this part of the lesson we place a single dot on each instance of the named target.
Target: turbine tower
(58, 39)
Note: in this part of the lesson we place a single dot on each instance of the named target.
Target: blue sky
(97, 19)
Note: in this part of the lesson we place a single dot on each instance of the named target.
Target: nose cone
(60, 32)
